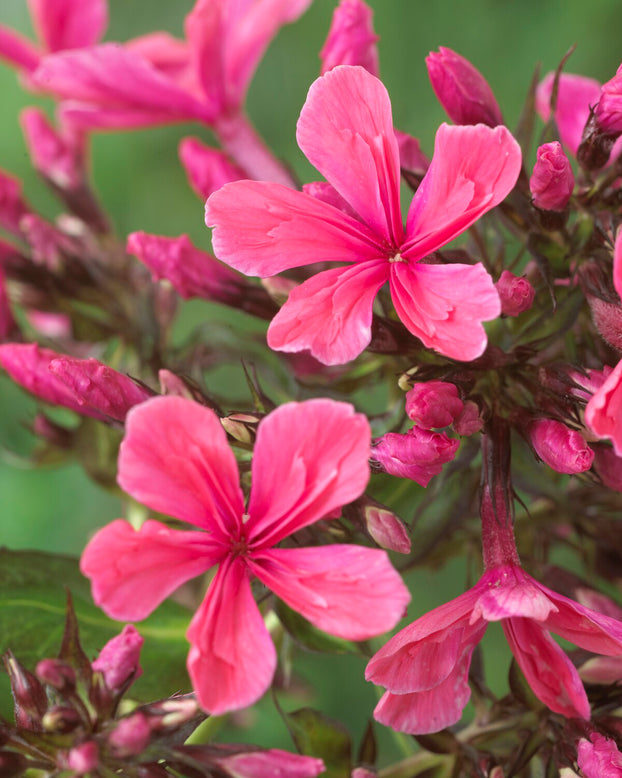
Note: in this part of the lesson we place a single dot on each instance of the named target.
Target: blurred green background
(142, 185)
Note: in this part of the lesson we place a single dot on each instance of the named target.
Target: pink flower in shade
(432, 404)
(59, 25)
(425, 666)
(351, 39)
(461, 89)
(417, 454)
(552, 180)
(346, 130)
(603, 413)
(309, 459)
(599, 757)
(562, 448)
(575, 96)
(516, 294)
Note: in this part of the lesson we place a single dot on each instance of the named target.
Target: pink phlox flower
(599, 757)
(346, 130)
(59, 25)
(425, 666)
(603, 413)
(309, 459)
(158, 79)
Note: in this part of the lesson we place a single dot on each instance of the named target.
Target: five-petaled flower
(346, 130)
(309, 459)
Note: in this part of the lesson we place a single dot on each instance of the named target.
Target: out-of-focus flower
(351, 39)
(263, 229)
(603, 413)
(53, 155)
(461, 89)
(560, 447)
(552, 180)
(575, 96)
(608, 109)
(175, 458)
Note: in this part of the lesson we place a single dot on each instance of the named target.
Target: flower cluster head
(309, 460)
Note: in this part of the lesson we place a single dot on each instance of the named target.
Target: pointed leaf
(316, 735)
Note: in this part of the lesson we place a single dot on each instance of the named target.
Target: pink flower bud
(61, 719)
(28, 365)
(418, 454)
(462, 90)
(28, 694)
(99, 387)
(173, 384)
(351, 39)
(12, 207)
(562, 448)
(130, 736)
(266, 764)
(118, 659)
(516, 293)
(52, 155)
(433, 404)
(599, 757)
(82, 759)
(608, 466)
(608, 110)
(552, 180)
(57, 674)
(386, 529)
(52, 325)
(207, 169)
(411, 156)
(470, 420)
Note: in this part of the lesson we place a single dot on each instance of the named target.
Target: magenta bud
(82, 759)
(461, 89)
(53, 156)
(418, 454)
(118, 659)
(470, 420)
(608, 110)
(433, 404)
(351, 39)
(131, 736)
(57, 674)
(560, 447)
(516, 293)
(599, 757)
(99, 387)
(552, 180)
(386, 529)
(207, 169)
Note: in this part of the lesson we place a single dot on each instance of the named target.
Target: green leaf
(317, 735)
(310, 637)
(32, 618)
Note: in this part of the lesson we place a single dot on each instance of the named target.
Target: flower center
(397, 258)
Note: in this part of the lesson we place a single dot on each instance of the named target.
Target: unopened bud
(130, 736)
(461, 89)
(433, 404)
(560, 447)
(241, 426)
(470, 420)
(82, 759)
(351, 39)
(386, 529)
(608, 110)
(13, 207)
(118, 659)
(28, 694)
(516, 294)
(552, 180)
(602, 415)
(418, 454)
(61, 719)
(172, 713)
(52, 433)
(598, 757)
(575, 95)
(52, 155)
(57, 674)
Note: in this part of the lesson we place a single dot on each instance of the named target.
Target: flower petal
(423, 654)
(473, 169)
(309, 459)
(232, 659)
(132, 572)
(428, 711)
(17, 50)
(111, 77)
(550, 674)
(603, 413)
(507, 592)
(69, 24)
(175, 459)
(330, 314)
(433, 303)
(348, 591)
(345, 130)
(261, 228)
